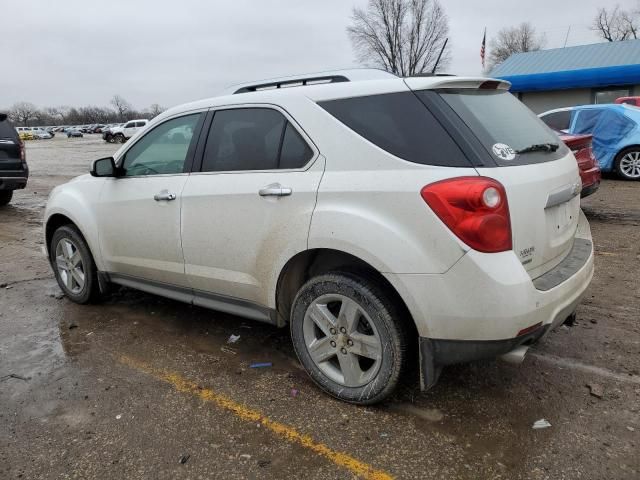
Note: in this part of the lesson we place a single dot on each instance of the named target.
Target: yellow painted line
(290, 434)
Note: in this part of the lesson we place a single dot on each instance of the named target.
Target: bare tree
(403, 37)
(155, 110)
(522, 38)
(122, 107)
(616, 24)
(23, 113)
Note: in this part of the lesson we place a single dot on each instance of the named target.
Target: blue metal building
(564, 77)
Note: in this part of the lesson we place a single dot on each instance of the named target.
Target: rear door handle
(164, 195)
(275, 190)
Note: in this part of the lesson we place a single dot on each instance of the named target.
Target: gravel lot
(142, 387)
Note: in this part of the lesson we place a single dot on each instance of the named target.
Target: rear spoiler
(423, 83)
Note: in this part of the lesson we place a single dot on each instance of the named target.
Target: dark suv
(13, 164)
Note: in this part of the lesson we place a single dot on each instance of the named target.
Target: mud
(75, 407)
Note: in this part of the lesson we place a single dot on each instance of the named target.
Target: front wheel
(73, 265)
(350, 337)
(5, 197)
(628, 164)
(120, 138)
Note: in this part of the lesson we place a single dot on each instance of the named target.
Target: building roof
(584, 66)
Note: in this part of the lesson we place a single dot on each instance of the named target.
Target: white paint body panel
(236, 242)
(138, 235)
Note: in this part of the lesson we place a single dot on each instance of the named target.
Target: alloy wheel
(630, 165)
(342, 340)
(70, 265)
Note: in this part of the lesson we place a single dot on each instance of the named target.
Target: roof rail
(292, 83)
(311, 79)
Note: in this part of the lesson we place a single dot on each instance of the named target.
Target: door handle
(275, 190)
(164, 196)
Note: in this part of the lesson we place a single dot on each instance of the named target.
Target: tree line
(406, 37)
(120, 110)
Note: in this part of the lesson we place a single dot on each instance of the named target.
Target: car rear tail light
(23, 152)
(473, 208)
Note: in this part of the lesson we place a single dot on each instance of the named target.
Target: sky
(81, 53)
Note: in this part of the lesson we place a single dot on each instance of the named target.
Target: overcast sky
(153, 51)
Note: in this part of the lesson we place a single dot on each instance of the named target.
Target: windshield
(504, 125)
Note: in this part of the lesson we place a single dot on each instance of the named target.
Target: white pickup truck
(123, 133)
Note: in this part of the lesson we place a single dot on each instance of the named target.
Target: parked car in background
(125, 132)
(40, 134)
(615, 129)
(13, 162)
(635, 101)
(377, 219)
(590, 174)
(74, 132)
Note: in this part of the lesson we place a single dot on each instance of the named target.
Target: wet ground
(142, 387)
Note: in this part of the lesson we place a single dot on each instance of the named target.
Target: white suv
(123, 133)
(376, 216)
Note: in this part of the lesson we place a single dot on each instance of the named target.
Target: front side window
(130, 125)
(140, 124)
(162, 150)
(253, 139)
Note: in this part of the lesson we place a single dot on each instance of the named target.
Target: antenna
(440, 55)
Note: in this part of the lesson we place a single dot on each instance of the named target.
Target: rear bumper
(478, 308)
(590, 181)
(13, 182)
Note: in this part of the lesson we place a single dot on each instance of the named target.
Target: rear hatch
(511, 145)
(10, 146)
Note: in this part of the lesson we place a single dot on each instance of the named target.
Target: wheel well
(311, 263)
(55, 221)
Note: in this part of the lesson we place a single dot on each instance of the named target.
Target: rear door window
(7, 130)
(503, 124)
(401, 125)
(560, 121)
(253, 139)
(587, 120)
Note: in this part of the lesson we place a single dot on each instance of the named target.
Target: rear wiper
(540, 147)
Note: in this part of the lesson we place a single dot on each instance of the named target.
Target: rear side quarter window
(400, 124)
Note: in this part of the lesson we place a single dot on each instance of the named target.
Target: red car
(590, 174)
(635, 101)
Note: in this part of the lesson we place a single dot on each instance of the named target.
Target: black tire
(382, 312)
(91, 290)
(119, 138)
(5, 197)
(109, 138)
(621, 171)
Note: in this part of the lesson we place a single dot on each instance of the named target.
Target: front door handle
(275, 190)
(164, 195)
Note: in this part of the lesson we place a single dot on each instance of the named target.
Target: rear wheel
(5, 197)
(628, 164)
(349, 336)
(73, 265)
(119, 138)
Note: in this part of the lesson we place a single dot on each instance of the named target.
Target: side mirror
(104, 167)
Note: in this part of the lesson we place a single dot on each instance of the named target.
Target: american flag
(483, 47)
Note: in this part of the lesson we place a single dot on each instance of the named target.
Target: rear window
(7, 130)
(497, 119)
(401, 125)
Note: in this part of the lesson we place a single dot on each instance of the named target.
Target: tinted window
(295, 152)
(7, 130)
(558, 120)
(163, 149)
(587, 120)
(400, 124)
(140, 124)
(130, 125)
(497, 117)
(243, 139)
